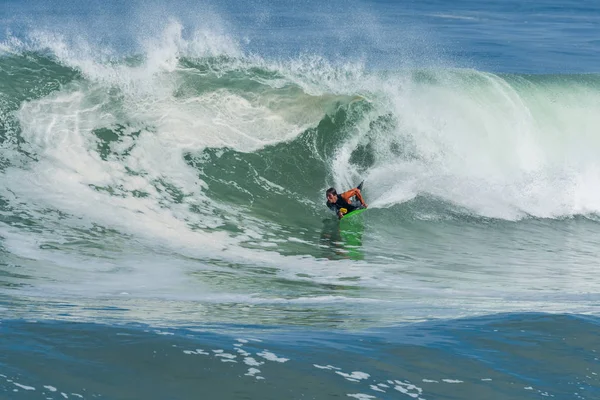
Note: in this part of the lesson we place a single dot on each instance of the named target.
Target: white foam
(242, 352)
(297, 240)
(252, 362)
(330, 367)
(361, 396)
(197, 352)
(271, 357)
(226, 355)
(499, 149)
(354, 376)
(253, 372)
(25, 387)
(163, 333)
(408, 389)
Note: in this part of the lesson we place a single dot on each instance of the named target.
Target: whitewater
(166, 183)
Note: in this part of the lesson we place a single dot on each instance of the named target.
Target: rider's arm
(353, 192)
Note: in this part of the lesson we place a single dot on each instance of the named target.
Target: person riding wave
(342, 203)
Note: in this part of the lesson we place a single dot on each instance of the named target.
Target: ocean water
(163, 229)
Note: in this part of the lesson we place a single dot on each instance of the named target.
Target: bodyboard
(353, 213)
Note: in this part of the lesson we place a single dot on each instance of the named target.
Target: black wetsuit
(340, 203)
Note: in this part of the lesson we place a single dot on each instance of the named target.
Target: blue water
(546, 37)
(163, 232)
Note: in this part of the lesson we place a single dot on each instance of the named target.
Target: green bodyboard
(353, 213)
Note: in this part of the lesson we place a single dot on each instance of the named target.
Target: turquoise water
(162, 210)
